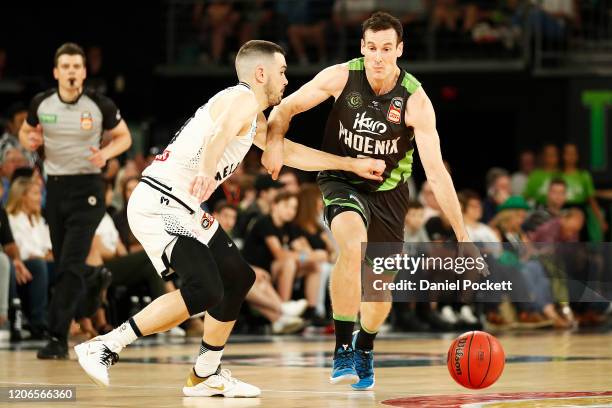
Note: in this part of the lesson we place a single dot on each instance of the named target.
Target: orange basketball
(476, 359)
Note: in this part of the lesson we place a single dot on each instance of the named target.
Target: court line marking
(483, 404)
(346, 393)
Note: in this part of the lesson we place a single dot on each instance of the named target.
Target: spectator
(215, 22)
(267, 244)
(307, 20)
(267, 189)
(518, 181)
(120, 217)
(428, 199)
(290, 180)
(538, 180)
(414, 230)
(581, 192)
(315, 246)
(15, 115)
(31, 234)
(348, 15)
(11, 160)
(498, 191)
(227, 215)
(471, 206)
(5, 280)
(98, 79)
(555, 201)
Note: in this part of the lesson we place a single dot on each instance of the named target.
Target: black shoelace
(108, 357)
(344, 358)
(363, 364)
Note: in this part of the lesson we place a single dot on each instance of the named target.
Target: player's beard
(274, 98)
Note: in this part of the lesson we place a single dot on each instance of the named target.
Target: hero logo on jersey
(362, 143)
(394, 115)
(207, 220)
(163, 156)
(86, 121)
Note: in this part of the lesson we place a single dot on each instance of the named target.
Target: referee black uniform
(75, 196)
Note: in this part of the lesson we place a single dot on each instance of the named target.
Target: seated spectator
(267, 189)
(518, 181)
(120, 217)
(15, 115)
(428, 199)
(315, 247)
(555, 201)
(348, 15)
(267, 244)
(471, 206)
(498, 191)
(32, 237)
(508, 222)
(11, 160)
(289, 178)
(539, 179)
(414, 223)
(226, 214)
(307, 20)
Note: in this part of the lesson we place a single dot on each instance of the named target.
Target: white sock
(208, 361)
(124, 334)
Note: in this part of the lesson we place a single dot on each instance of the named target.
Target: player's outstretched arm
(421, 116)
(305, 158)
(325, 84)
(228, 123)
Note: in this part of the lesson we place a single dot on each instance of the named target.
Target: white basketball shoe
(96, 356)
(220, 383)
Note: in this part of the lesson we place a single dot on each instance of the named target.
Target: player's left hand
(97, 157)
(202, 186)
(272, 158)
(368, 168)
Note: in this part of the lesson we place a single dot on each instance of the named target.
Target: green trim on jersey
(356, 64)
(410, 83)
(399, 174)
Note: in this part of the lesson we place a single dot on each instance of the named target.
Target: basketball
(475, 359)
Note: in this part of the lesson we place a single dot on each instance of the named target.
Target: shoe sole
(344, 379)
(82, 363)
(193, 392)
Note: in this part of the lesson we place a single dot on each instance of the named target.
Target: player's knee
(200, 297)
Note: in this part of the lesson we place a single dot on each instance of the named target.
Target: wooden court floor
(547, 369)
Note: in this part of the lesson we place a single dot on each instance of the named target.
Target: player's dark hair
(259, 47)
(68, 49)
(380, 21)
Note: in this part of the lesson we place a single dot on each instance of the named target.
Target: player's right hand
(369, 168)
(272, 158)
(202, 186)
(35, 137)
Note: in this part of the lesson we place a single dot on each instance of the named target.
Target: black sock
(344, 334)
(365, 340)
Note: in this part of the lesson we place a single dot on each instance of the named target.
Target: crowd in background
(320, 31)
(279, 228)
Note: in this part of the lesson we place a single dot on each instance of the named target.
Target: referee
(69, 123)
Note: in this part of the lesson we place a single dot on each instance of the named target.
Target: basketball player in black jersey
(380, 111)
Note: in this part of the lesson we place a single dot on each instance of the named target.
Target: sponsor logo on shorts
(207, 220)
(354, 101)
(86, 121)
(394, 115)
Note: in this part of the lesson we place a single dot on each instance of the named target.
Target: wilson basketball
(476, 359)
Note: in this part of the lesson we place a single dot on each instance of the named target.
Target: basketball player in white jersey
(179, 237)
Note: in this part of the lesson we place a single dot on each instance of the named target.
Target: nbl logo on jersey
(394, 115)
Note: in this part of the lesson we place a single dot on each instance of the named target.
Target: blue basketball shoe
(364, 365)
(343, 371)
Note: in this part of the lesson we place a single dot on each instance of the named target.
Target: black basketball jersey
(362, 124)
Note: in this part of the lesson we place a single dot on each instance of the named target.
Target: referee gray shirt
(71, 128)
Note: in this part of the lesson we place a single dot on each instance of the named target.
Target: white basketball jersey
(178, 165)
